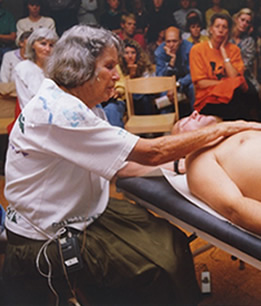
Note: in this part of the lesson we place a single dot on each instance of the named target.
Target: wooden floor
(231, 286)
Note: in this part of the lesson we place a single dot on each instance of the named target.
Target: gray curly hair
(73, 60)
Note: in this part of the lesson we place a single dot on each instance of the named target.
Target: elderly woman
(60, 222)
(217, 71)
(29, 74)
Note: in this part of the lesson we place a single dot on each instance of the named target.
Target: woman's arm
(231, 71)
(154, 152)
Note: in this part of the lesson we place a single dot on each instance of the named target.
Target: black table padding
(158, 192)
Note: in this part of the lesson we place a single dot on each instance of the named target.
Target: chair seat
(150, 123)
(4, 122)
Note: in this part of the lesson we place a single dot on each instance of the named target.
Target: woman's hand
(132, 70)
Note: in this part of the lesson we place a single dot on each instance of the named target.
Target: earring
(98, 79)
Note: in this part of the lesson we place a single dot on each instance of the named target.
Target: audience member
(241, 37)
(135, 63)
(180, 14)
(34, 19)
(217, 73)
(215, 8)
(153, 45)
(86, 12)
(111, 18)
(160, 18)
(64, 13)
(172, 58)
(128, 29)
(29, 73)
(7, 31)
(195, 14)
(194, 27)
(137, 7)
(12, 58)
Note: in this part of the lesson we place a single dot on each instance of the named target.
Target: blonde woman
(241, 37)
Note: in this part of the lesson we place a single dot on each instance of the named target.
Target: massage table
(158, 195)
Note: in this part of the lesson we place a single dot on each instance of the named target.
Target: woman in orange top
(216, 69)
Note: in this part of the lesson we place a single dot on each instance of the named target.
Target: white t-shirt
(60, 159)
(26, 24)
(28, 78)
(10, 60)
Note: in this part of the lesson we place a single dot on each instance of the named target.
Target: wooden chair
(159, 123)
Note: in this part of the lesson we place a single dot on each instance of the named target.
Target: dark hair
(193, 20)
(24, 36)
(221, 16)
(36, 2)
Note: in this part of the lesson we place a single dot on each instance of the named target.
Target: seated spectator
(180, 14)
(194, 27)
(135, 63)
(217, 73)
(86, 12)
(190, 14)
(64, 13)
(160, 18)
(128, 29)
(241, 37)
(111, 18)
(172, 58)
(215, 8)
(137, 7)
(29, 73)
(7, 31)
(34, 19)
(153, 45)
(12, 58)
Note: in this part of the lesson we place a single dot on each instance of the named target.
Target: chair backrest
(149, 85)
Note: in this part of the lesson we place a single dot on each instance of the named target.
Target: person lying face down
(226, 175)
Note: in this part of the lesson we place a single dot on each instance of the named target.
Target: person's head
(184, 4)
(34, 7)
(220, 27)
(194, 3)
(134, 54)
(39, 44)
(128, 24)
(216, 2)
(193, 13)
(193, 122)
(85, 57)
(113, 4)
(23, 41)
(194, 27)
(243, 20)
(173, 38)
(157, 4)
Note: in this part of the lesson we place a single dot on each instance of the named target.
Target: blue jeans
(114, 111)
